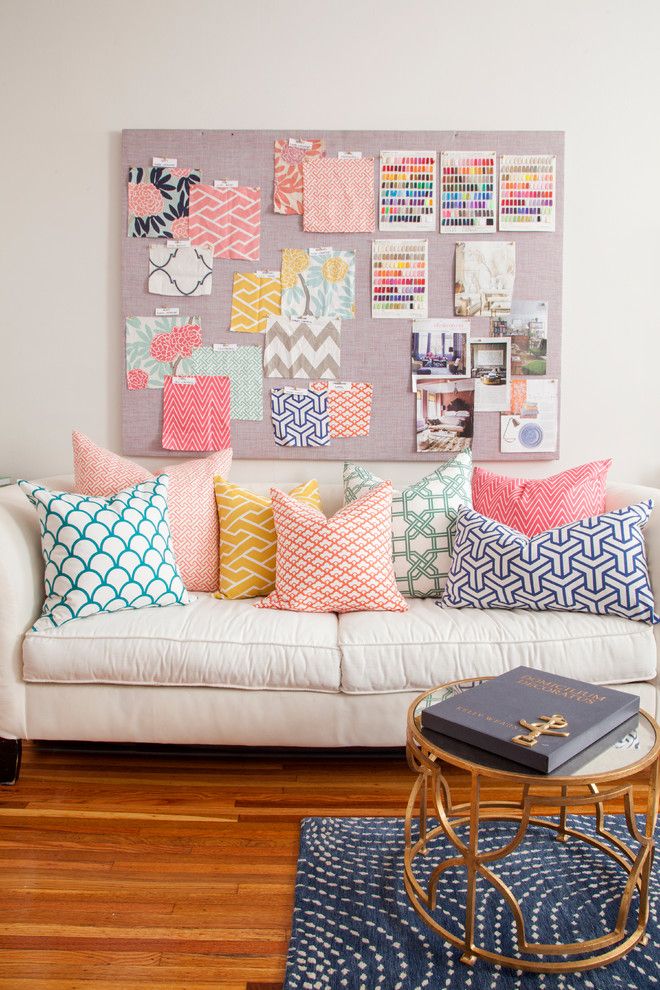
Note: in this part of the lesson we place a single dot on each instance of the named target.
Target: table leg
(651, 820)
(561, 834)
(423, 812)
(468, 957)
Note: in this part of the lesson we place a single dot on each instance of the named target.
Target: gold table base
(432, 788)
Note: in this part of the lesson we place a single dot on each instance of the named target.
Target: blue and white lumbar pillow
(423, 521)
(103, 555)
(595, 565)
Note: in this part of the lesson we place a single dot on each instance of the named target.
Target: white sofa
(223, 672)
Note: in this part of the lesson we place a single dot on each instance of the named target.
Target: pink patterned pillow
(191, 498)
(535, 506)
(341, 564)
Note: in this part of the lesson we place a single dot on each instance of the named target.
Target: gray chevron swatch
(302, 348)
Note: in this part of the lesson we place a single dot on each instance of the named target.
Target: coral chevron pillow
(193, 515)
(341, 564)
(247, 538)
(596, 565)
(104, 555)
(423, 519)
(532, 506)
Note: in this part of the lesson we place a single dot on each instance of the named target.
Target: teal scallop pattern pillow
(103, 555)
(423, 522)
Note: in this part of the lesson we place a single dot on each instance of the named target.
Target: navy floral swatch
(158, 201)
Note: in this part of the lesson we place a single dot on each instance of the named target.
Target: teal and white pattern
(242, 366)
(103, 555)
(423, 522)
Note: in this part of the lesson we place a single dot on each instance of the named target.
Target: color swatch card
(527, 192)
(467, 191)
(399, 279)
(532, 425)
(407, 190)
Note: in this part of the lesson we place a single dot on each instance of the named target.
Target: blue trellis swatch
(103, 555)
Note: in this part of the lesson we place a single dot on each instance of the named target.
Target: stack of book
(536, 719)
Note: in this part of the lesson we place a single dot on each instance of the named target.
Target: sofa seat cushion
(429, 644)
(211, 643)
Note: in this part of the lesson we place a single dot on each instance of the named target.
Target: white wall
(75, 72)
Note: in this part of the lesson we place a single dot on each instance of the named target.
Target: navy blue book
(539, 720)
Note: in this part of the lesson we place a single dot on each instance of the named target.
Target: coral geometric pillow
(104, 555)
(247, 538)
(532, 506)
(193, 515)
(341, 564)
(595, 565)
(423, 521)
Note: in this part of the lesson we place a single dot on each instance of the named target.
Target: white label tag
(225, 347)
(349, 154)
(340, 386)
(181, 243)
(184, 381)
(167, 311)
(323, 250)
(166, 162)
(305, 145)
(268, 274)
(288, 388)
(225, 183)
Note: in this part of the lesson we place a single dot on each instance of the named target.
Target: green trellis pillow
(423, 522)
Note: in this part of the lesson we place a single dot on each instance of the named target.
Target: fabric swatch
(179, 270)
(247, 538)
(243, 367)
(156, 346)
(289, 158)
(256, 296)
(339, 195)
(227, 219)
(196, 413)
(597, 565)
(318, 282)
(349, 407)
(105, 555)
(300, 417)
(302, 348)
(159, 200)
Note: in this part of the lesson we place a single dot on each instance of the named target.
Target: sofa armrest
(620, 495)
(21, 598)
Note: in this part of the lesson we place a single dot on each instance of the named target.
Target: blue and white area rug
(354, 929)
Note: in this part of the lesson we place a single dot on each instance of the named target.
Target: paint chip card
(467, 191)
(527, 192)
(407, 190)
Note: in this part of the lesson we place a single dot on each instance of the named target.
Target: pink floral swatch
(289, 158)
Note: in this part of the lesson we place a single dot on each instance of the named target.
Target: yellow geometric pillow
(248, 542)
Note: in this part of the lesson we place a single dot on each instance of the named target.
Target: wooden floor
(133, 870)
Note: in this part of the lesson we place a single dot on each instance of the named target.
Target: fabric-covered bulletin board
(503, 274)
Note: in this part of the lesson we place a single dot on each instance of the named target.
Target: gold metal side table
(608, 770)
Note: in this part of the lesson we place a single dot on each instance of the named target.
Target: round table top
(623, 752)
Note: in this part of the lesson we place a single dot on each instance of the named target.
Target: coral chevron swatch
(256, 296)
(289, 157)
(302, 348)
(533, 506)
(339, 195)
(341, 564)
(228, 219)
(196, 413)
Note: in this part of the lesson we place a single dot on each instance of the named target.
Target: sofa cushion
(211, 643)
(429, 645)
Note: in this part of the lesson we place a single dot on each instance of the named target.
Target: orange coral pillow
(191, 500)
(341, 564)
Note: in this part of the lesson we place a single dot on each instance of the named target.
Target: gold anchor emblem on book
(550, 725)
